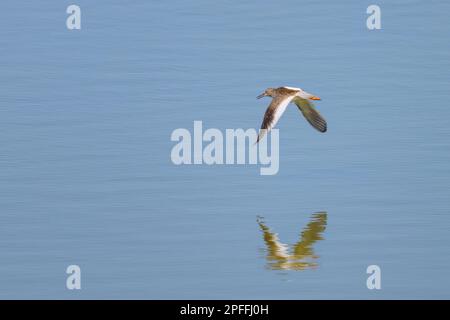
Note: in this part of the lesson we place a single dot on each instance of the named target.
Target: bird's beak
(261, 95)
(314, 98)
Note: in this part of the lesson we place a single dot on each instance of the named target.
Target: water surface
(85, 169)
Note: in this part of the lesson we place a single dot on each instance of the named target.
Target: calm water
(87, 179)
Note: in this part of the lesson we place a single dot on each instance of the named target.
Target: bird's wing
(273, 114)
(311, 114)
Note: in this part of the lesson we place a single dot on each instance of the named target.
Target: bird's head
(269, 92)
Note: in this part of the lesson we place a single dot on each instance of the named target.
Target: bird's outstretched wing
(311, 114)
(273, 114)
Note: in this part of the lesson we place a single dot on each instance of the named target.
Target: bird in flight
(281, 97)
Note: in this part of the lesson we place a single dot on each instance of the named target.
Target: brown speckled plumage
(281, 97)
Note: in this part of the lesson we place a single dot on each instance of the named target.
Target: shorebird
(281, 97)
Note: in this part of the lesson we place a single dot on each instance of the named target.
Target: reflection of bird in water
(302, 254)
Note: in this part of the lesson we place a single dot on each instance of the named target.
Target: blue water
(86, 175)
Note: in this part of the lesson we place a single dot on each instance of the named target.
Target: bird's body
(281, 97)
